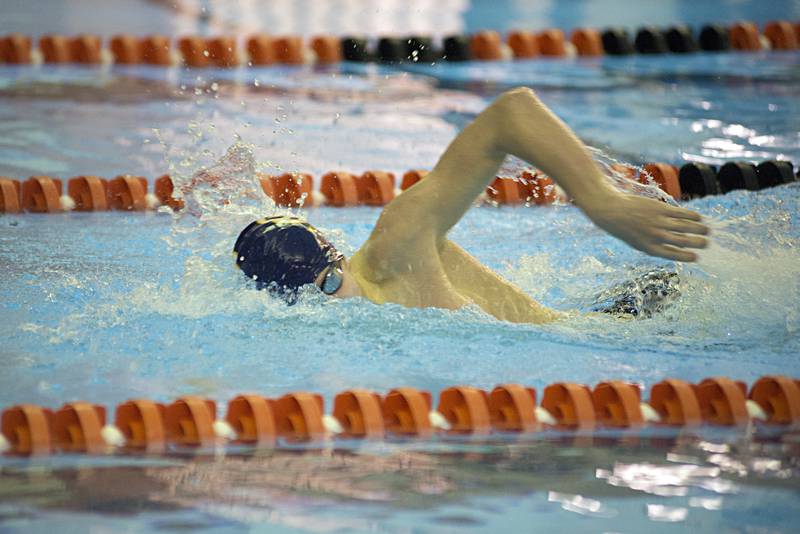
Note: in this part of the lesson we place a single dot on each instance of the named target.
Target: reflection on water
(674, 479)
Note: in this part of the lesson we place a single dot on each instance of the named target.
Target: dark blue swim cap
(283, 253)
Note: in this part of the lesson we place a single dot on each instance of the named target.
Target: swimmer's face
(337, 280)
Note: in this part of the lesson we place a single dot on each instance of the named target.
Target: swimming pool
(109, 306)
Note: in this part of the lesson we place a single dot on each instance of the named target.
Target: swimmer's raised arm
(518, 123)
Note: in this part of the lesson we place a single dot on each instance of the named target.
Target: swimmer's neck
(358, 277)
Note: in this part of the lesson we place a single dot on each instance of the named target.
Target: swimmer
(408, 258)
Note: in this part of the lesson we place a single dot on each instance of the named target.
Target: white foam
(331, 424)
(649, 413)
(544, 417)
(152, 201)
(113, 436)
(755, 411)
(67, 204)
(223, 429)
(439, 421)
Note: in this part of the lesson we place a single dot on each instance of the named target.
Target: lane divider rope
(192, 421)
(44, 194)
(487, 45)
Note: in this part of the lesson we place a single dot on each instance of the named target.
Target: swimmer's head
(283, 253)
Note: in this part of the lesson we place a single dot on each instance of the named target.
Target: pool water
(107, 306)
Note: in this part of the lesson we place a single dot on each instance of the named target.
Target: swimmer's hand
(649, 225)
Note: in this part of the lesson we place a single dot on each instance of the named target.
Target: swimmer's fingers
(682, 240)
(679, 213)
(672, 253)
(684, 226)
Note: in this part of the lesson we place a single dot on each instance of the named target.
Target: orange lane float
(327, 48)
(77, 426)
(265, 50)
(744, 36)
(41, 194)
(523, 44)
(587, 42)
(141, 421)
(466, 409)
(406, 411)
(722, 401)
(339, 189)
(486, 46)
(127, 193)
(512, 408)
(267, 184)
(85, 49)
(628, 171)
(504, 191)
(412, 177)
(666, 176)
(28, 429)
(252, 419)
(90, 193)
(54, 49)
(222, 52)
(570, 404)
(194, 51)
(189, 421)
(292, 189)
(676, 403)
(359, 413)
(10, 195)
(375, 188)
(15, 48)
(537, 188)
(126, 49)
(781, 35)
(156, 50)
(528, 188)
(779, 397)
(551, 42)
(261, 50)
(618, 404)
(298, 416)
(164, 189)
(289, 50)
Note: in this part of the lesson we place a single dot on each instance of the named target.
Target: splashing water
(225, 196)
(220, 200)
(742, 293)
(621, 175)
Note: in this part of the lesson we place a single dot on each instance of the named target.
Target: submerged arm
(519, 123)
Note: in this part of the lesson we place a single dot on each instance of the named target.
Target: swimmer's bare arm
(518, 123)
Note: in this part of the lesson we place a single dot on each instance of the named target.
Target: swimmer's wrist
(594, 194)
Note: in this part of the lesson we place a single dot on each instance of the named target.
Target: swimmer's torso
(443, 276)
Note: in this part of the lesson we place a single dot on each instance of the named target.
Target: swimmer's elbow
(515, 98)
(511, 115)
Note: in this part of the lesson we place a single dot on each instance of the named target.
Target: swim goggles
(333, 279)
